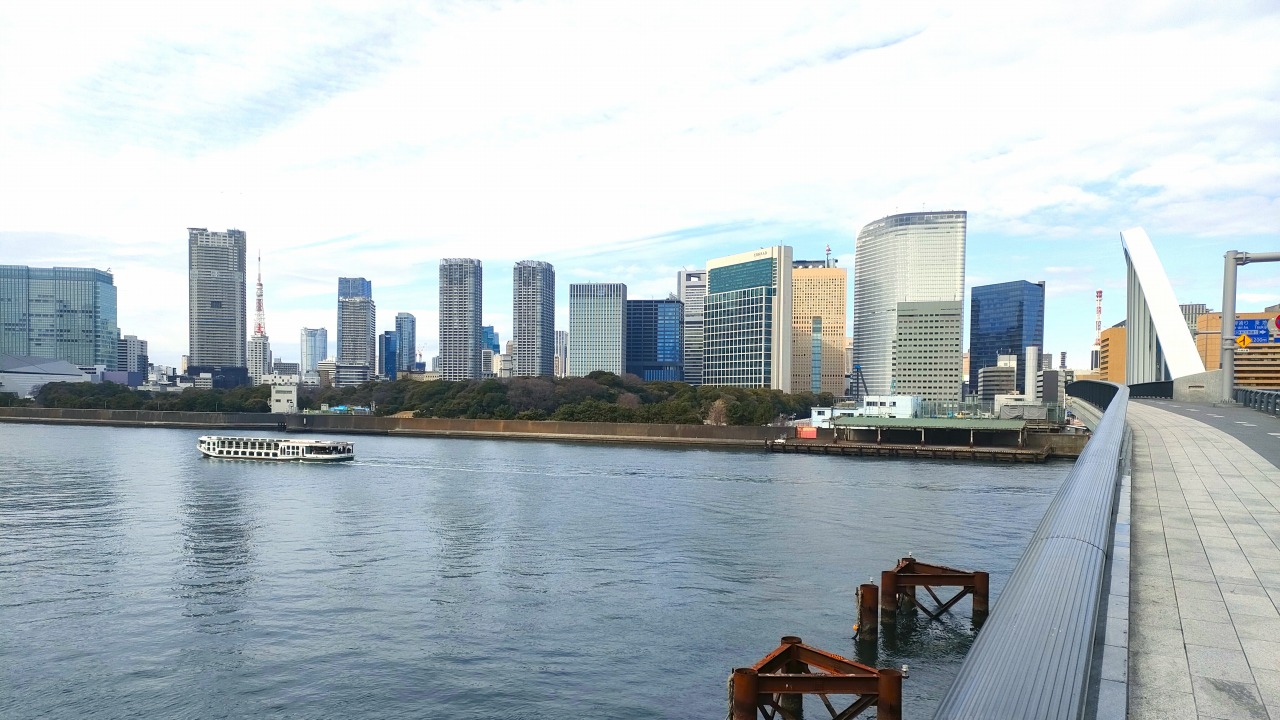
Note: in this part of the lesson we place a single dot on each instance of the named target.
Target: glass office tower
(906, 258)
(655, 339)
(407, 341)
(59, 313)
(597, 328)
(746, 324)
(1005, 319)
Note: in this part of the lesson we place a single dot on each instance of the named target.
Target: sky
(625, 141)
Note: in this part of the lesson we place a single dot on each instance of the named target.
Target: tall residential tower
(217, 299)
(533, 316)
(461, 303)
(357, 332)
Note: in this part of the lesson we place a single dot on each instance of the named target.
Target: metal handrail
(1032, 658)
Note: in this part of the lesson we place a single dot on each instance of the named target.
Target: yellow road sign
(1243, 341)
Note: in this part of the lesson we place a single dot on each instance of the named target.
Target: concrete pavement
(1205, 576)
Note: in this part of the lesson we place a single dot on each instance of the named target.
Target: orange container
(807, 433)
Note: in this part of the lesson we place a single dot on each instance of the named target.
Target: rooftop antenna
(828, 254)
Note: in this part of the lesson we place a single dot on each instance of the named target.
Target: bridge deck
(1205, 575)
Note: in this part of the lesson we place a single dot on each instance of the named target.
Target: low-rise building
(24, 375)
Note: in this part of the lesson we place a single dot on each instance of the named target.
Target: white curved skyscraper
(908, 295)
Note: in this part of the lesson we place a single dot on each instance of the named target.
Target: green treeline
(599, 397)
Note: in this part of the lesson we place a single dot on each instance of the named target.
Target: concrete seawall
(722, 436)
(754, 436)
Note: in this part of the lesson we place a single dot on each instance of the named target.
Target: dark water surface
(461, 578)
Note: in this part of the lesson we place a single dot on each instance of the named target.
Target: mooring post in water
(981, 590)
(792, 705)
(868, 611)
(888, 596)
(746, 684)
(889, 701)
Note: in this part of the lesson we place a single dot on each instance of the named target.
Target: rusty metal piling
(746, 688)
(889, 699)
(868, 611)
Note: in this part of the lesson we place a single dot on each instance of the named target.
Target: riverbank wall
(1039, 445)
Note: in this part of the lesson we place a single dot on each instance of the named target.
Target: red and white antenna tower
(259, 317)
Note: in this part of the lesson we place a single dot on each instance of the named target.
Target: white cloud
(627, 138)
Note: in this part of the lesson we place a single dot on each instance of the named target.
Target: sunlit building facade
(906, 258)
(746, 327)
(597, 328)
(819, 298)
(691, 289)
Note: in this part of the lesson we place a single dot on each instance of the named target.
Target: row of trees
(599, 397)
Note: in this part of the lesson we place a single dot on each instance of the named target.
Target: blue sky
(622, 142)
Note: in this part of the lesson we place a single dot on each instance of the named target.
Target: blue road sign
(1255, 329)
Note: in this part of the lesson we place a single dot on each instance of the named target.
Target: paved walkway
(1205, 580)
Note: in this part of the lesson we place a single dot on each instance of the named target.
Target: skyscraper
(217, 299)
(562, 353)
(746, 326)
(388, 354)
(461, 303)
(407, 341)
(907, 258)
(655, 339)
(315, 347)
(691, 288)
(534, 317)
(59, 313)
(819, 298)
(357, 334)
(597, 328)
(489, 339)
(1005, 319)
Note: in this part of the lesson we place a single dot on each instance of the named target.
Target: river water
(463, 578)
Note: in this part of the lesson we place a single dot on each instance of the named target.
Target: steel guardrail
(1267, 401)
(1033, 656)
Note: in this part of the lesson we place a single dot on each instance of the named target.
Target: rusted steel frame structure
(771, 686)
(1034, 655)
(902, 581)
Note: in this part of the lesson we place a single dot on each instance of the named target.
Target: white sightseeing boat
(251, 448)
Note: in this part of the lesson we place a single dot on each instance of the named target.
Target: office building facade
(60, 314)
(655, 339)
(1005, 319)
(407, 341)
(489, 339)
(691, 289)
(388, 354)
(746, 326)
(906, 258)
(357, 331)
(562, 353)
(597, 328)
(131, 354)
(461, 303)
(819, 298)
(927, 362)
(315, 347)
(533, 318)
(218, 314)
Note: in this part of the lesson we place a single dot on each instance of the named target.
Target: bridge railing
(1033, 657)
(1267, 401)
(1160, 389)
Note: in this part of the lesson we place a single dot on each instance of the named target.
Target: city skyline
(1085, 123)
